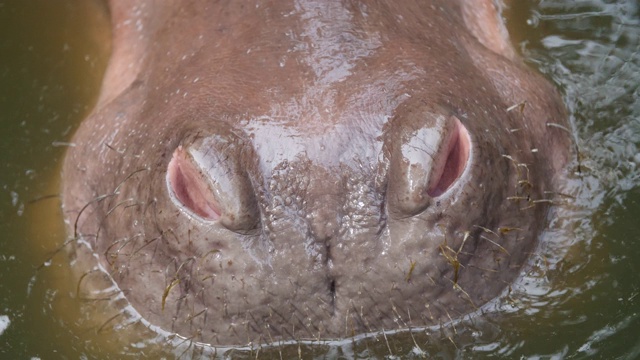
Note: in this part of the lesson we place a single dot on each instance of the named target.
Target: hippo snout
(257, 172)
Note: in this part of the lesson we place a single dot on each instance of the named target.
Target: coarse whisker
(111, 210)
(464, 240)
(121, 152)
(147, 243)
(267, 327)
(204, 257)
(63, 144)
(173, 262)
(421, 352)
(346, 318)
(96, 299)
(397, 319)
(192, 258)
(108, 321)
(525, 184)
(465, 253)
(82, 278)
(95, 200)
(42, 198)
(431, 317)
(170, 231)
(453, 326)
(505, 229)
(384, 334)
(486, 230)
(117, 189)
(452, 342)
(483, 269)
(212, 276)
(56, 252)
(496, 244)
(518, 198)
(533, 203)
(412, 266)
(558, 126)
(107, 255)
(457, 286)
(452, 258)
(190, 340)
(539, 201)
(514, 162)
(173, 283)
(520, 106)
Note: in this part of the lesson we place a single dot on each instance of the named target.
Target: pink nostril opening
(189, 186)
(450, 164)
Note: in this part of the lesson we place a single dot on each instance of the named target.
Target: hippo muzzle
(284, 170)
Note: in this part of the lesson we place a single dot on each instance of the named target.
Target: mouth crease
(332, 280)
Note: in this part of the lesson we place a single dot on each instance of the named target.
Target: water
(52, 55)
(581, 298)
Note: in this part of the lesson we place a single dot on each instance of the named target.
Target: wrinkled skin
(272, 170)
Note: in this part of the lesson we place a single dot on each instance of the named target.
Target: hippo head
(307, 169)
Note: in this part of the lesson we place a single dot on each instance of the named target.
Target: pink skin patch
(190, 187)
(449, 166)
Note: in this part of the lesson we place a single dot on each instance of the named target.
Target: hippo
(260, 171)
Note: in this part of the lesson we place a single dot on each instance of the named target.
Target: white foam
(4, 323)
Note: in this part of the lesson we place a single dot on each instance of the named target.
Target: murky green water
(51, 63)
(581, 298)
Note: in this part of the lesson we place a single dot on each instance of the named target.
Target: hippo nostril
(448, 167)
(207, 180)
(429, 154)
(189, 186)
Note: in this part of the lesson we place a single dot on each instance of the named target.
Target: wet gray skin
(272, 170)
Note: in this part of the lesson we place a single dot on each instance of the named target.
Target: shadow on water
(579, 299)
